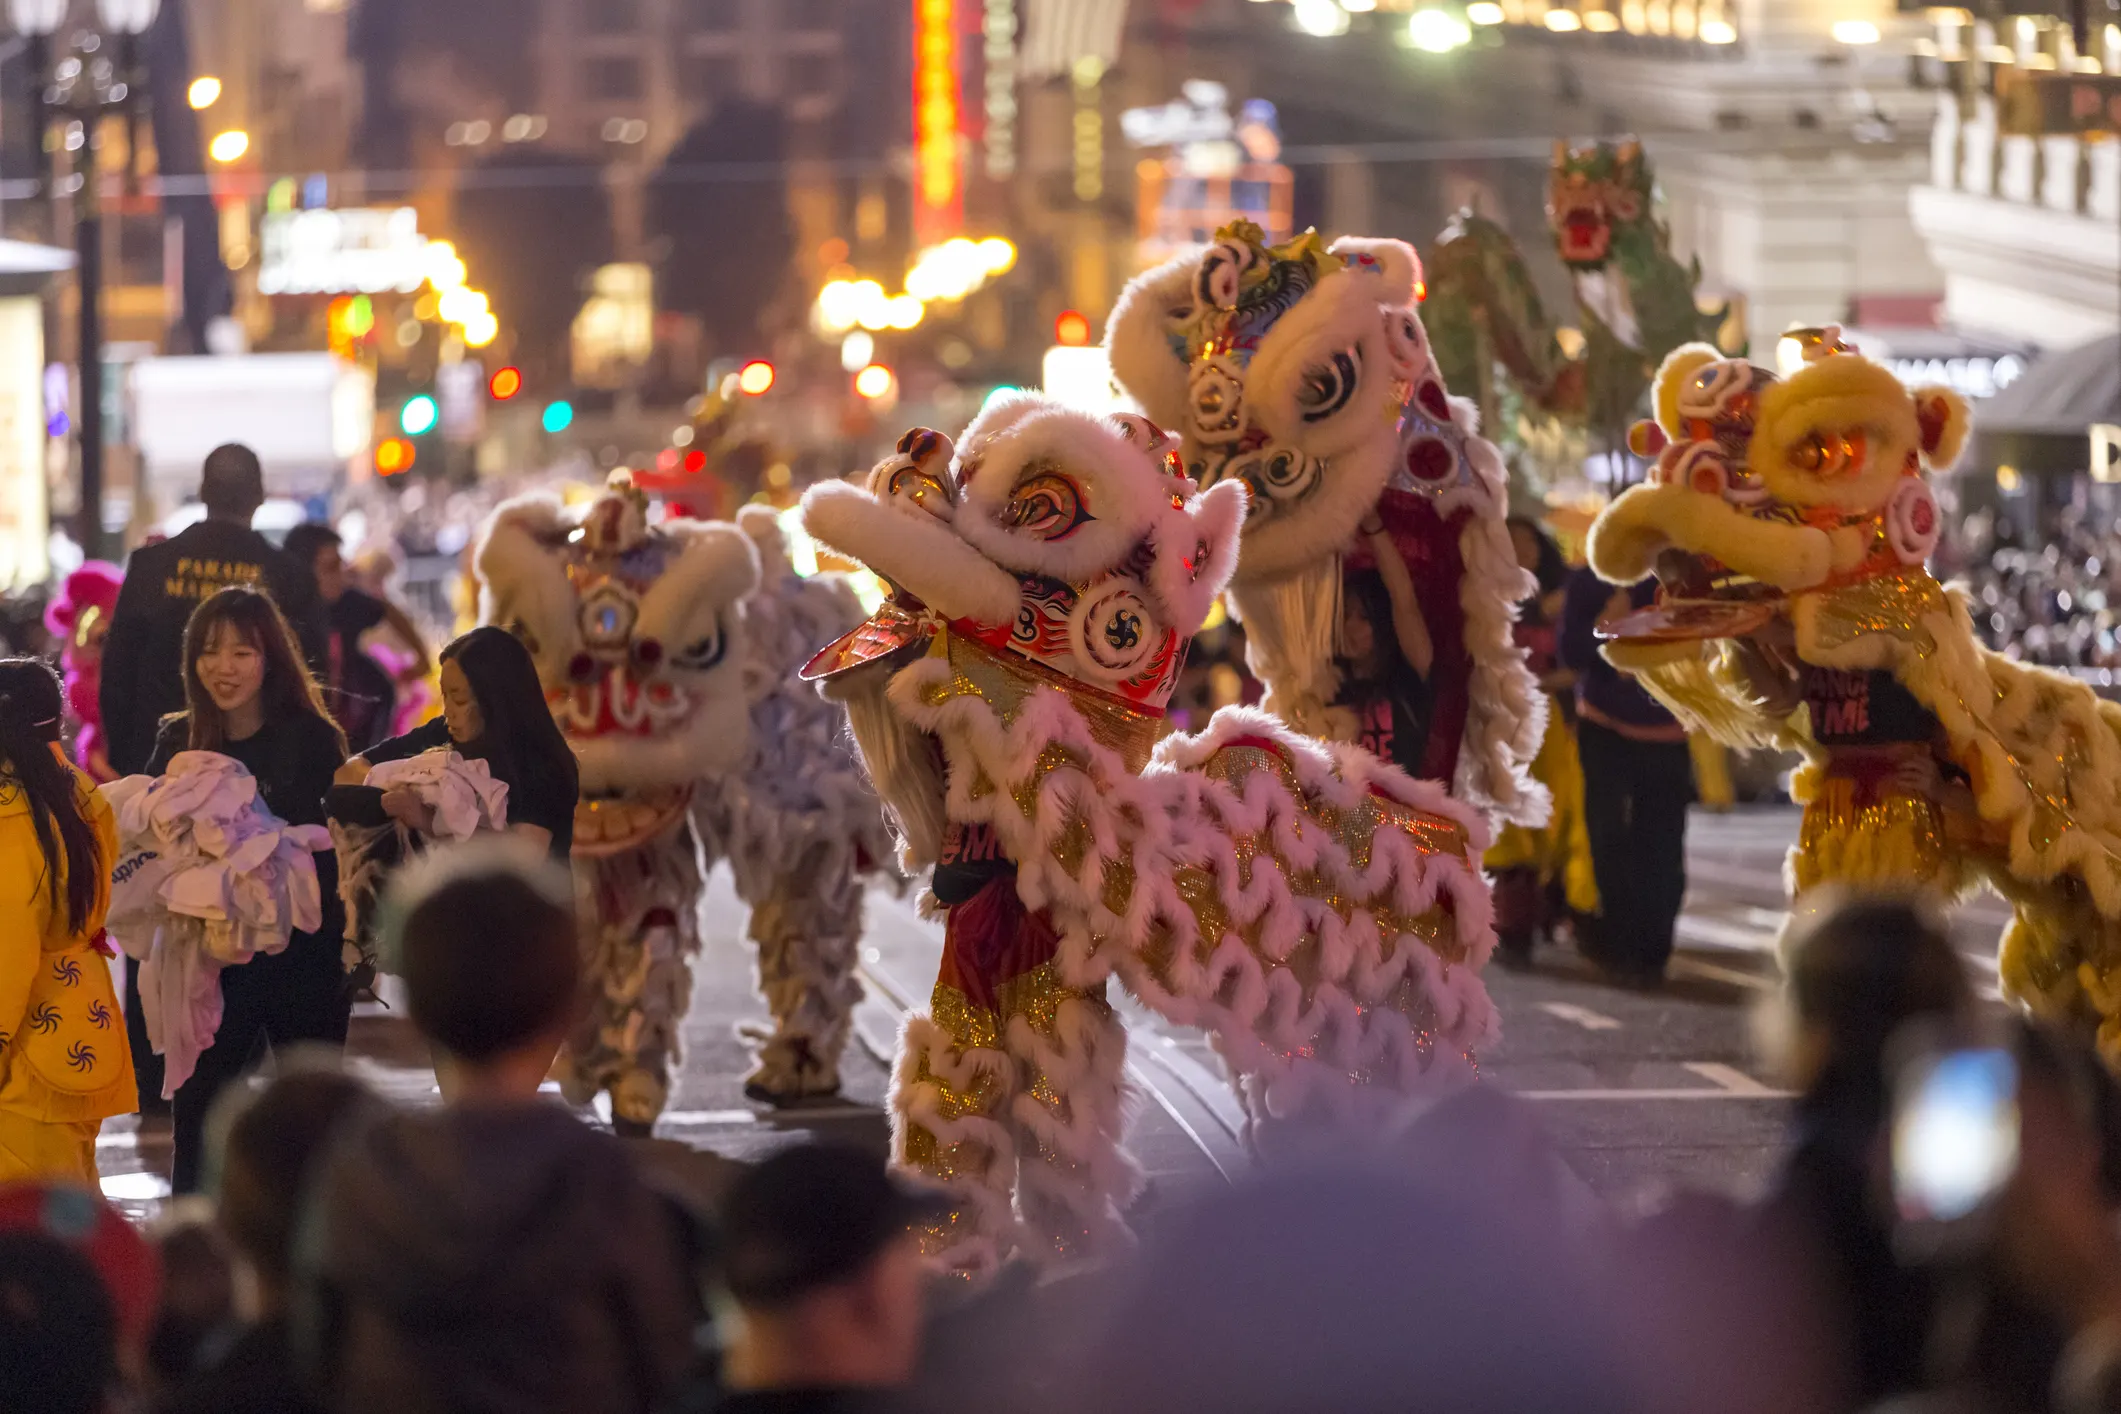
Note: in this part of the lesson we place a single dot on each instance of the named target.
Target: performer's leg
(949, 1100)
(2063, 960)
(1608, 809)
(807, 933)
(1073, 1179)
(640, 933)
(1666, 787)
(654, 1046)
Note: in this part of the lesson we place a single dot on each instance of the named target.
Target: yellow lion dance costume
(1789, 522)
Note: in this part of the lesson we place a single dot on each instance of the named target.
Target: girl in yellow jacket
(64, 1063)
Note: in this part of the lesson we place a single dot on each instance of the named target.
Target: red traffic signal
(505, 384)
(1071, 329)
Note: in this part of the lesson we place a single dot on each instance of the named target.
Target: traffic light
(505, 384)
(348, 320)
(419, 415)
(1071, 330)
(393, 455)
(559, 416)
(755, 378)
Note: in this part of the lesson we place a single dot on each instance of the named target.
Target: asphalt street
(1641, 1092)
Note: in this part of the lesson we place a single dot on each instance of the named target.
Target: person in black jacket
(252, 699)
(143, 669)
(493, 710)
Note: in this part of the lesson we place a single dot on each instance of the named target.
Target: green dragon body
(1495, 341)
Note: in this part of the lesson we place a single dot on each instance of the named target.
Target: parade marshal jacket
(143, 671)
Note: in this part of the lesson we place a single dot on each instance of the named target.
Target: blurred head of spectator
(198, 1292)
(269, 1142)
(58, 1334)
(316, 548)
(116, 1254)
(1858, 968)
(485, 937)
(820, 1256)
(232, 484)
(496, 1254)
(1359, 1290)
(265, 1148)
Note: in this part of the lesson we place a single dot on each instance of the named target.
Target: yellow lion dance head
(1797, 484)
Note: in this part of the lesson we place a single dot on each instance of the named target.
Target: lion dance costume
(1304, 372)
(1789, 522)
(1321, 915)
(665, 659)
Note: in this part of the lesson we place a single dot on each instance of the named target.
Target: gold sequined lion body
(1790, 522)
(1319, 914)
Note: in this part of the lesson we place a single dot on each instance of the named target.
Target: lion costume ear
(1945, 418)
(1679, 365)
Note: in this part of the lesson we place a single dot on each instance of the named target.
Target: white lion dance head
(1303, 371)
(1039, 541)
(637, 632)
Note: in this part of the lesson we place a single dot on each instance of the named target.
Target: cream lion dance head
(1302, 370)
(637, 631)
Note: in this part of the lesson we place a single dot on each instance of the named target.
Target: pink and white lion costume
(1320, 914)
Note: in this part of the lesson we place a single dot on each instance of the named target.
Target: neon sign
(938, 190)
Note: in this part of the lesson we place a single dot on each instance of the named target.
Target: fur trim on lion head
(1149, 335)
(1679, 365)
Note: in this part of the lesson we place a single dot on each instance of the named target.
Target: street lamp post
(77, 93)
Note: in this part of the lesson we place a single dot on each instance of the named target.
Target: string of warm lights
(1441, 26)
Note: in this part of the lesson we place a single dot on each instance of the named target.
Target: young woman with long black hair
(251, 697)
(493, 710)
(64, 1064)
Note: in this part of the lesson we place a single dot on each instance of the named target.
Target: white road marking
(1716, 933)
(691, 1119)
(1646, 1095)
(1732, 1079)
(1581, 1016)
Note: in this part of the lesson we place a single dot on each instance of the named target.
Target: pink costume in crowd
(80, 619)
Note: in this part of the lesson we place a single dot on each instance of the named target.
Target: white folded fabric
(207, 877)
(462, 792)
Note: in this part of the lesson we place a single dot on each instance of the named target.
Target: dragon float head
(636, 630)
(1050, 547)
(1303, 371)
(1763, 484)
(1593, 193)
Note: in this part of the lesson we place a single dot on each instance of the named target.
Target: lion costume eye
(1046, 506)
(1826, 455)
(1327, 387)
(702, 653)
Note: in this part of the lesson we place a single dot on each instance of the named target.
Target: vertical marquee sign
(938, 185)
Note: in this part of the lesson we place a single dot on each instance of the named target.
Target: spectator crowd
(499, 1252)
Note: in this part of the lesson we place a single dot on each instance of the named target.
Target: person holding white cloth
(251, 698)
